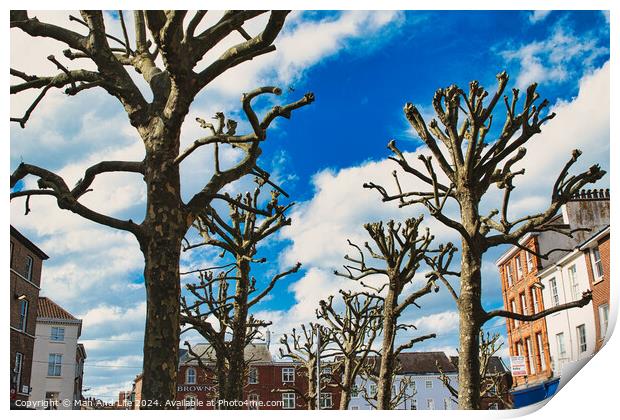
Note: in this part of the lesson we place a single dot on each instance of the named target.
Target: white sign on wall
(517, 366)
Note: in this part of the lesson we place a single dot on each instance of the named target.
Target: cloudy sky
(363, 67)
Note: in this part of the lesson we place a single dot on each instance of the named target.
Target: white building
(58, 359)
(572, 333)
(425, 390)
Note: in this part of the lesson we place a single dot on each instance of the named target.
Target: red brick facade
(599, 284)
(265, 384)
(25, 279)
(526, 337)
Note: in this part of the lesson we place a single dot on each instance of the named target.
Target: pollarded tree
(221, 306)
(470, 164)
(352, 333)
(304, 347)
(401, 250)
(166, 52)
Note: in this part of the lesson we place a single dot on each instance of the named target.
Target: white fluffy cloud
(92, 268)
(555, 59)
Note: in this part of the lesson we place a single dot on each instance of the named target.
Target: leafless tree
(401, 249)
(370, 391)
(302, 348)
(221, 304)
(166, 52)
(470, 165)
(493, 382)
(352, 332)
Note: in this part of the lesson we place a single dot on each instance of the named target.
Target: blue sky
(363, 67)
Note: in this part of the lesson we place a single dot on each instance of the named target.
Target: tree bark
(386, 370)
(233, 391)
(470, 310)
(348, 383)
(163, 228)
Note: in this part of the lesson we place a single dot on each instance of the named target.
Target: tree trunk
(348, 382)
(233, 391)
(386, 370)
(163, 229)
(312, 391)
(470, 310)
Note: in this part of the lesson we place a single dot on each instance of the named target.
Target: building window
(561, 346)
(326, 400)
(519, 268)
(493, 406)
(355, 391)
(524, 309)
(446, 403)
(414, 405)
(373, 390)
(58, 334)
(535, 300)
(598, 263)
(23, 315)
(354, 407)
(430, 404)
(288, 400)
(581, 335)
(541, 353)
(191, 402)
(513, 308)
(28, 267)
(253, 402)
(429, 384)
(530, 356)
(603, 319)
(253, 375)
(17, 371)
(520, 349)
(190, 375)
(555, 298)
(288, 374)
(54, 364)
(412, 385)
(574, 282)
(529, 261)
(509, 274)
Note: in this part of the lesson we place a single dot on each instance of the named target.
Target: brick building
(26, 260)
(522, 293)
(499, 379)
(597, 249)
(529, 284)
(273, 385)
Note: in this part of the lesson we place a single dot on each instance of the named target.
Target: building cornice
(64, 321)
(513, 249)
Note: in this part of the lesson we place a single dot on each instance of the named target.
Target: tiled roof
(420, 362)
(255, 352)
(495, 364)
(50, 309)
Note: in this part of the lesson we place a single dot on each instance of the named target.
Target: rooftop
(50, 309)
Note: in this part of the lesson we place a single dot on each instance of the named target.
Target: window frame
(430, 404)
(523, 302)
(29, 267)
(574, 282)
(18, 372)
(22, 322)
(53, 364)
(597, 263)
(553, 290)
(541, 352)
(286, 371)
(414, 404)
(582, 339)
(535, 300)
(427, 382)
(253, 378)
(603, 328)
(509, 276)
(561, 345)
(290, 398)
(57, 337)
(529, 261)
(530, 357)
(519, 267)
(194, 375)
(189, 397)
(326, 396)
